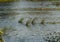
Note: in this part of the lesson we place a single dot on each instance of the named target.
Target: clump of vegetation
(21, 20)
(8, 0)
(33, 21)
(52, 37)
(28, 22)
(5, 32)
(56, 3)
(1, 37)
(42, 22)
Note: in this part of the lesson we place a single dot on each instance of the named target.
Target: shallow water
(31, 33)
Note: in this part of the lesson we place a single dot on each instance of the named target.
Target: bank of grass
(43, 0)
(8, 0)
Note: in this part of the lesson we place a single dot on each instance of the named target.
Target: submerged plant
(8, 0)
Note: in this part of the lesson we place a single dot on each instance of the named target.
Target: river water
(31, 33)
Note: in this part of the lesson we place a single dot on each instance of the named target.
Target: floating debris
(8, 0)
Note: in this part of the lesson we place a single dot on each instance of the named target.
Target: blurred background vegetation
(8, 0)
(25, 0)
(43, 0)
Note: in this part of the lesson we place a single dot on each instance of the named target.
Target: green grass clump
(28, 23)
(8, 0)
(43, 21)
(21, 20)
